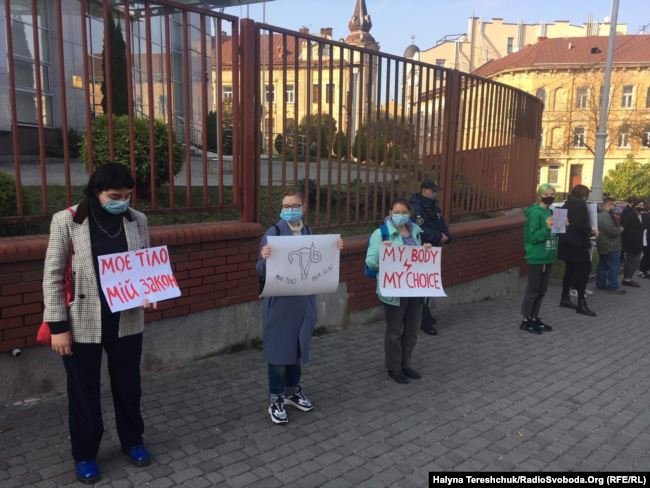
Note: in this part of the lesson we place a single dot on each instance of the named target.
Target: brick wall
(478, 249)
(215, 267)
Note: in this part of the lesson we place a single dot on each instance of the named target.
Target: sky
(395, 21)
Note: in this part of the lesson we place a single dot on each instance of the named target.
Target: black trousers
(402, 324)
(83, 369)
(575, 276)
(538, 278)
(644, 267)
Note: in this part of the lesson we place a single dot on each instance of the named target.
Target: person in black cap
(428, 215)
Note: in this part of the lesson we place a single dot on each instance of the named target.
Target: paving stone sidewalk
(492, 398)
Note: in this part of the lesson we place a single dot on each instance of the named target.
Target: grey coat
(85, 311)
(288, 322)
(609, 236)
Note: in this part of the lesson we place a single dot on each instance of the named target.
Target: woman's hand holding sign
(266, 251)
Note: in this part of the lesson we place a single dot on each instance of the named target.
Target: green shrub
(340, 141)
(121, 148)
(55, 149)
(360, 154)
(211, 127)
(377, 151)
(7, 194)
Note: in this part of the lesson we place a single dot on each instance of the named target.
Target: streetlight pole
(601, 133)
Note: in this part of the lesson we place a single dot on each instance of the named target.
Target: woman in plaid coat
(101, 224)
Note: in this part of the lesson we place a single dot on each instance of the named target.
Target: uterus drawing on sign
(305, 257)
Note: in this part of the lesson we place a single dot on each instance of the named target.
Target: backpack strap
(385, 235)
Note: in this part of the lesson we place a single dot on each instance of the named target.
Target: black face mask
(548, 200)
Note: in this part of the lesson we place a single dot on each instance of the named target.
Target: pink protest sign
(410, 271)
(129, 278)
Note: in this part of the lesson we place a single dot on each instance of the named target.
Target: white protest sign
(128, 278)
(410, 271)
(302, 265)
(559, 221)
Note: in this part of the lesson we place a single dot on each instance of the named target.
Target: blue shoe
(139, 455)
(86, 472)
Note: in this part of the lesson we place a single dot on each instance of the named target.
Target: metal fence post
(449, 138)
(249, 122)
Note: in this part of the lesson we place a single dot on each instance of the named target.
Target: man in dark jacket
(427, 214)
(632, 242)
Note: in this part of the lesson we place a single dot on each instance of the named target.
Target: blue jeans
(283, 377)
(609, 266)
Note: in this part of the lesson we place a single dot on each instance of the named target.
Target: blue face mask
(116, 207)
(291, 214)
(400, 219)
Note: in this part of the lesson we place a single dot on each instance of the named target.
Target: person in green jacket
(540, 247)
(403, 314)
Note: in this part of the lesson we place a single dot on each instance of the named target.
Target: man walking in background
(427, 214)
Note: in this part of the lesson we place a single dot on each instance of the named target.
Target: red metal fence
(232, 112)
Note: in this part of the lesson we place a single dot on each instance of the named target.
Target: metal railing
(376, 124)
(351, 126)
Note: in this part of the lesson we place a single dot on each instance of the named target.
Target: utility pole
(601, 133)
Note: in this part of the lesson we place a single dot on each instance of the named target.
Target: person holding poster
(101, 224)
(574, 248)
(288, 321)
(403, 314)
(540, 246)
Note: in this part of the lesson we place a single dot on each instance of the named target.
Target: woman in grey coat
(288, 321)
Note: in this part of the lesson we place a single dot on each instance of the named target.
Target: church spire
(360, 25)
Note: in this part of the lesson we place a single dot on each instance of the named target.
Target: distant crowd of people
(620, 234)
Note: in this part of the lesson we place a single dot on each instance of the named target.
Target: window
(227, 92)
(626, 98)
(553, 174)
(316, 93)
(541, 94)
(329, 93)
(579, 137)
(624, 137)
(289, 94)
(511, 41)
(581, 97)
(647, 99)
(440, 62)
(25, 65)
(646, 136)
(270, 94)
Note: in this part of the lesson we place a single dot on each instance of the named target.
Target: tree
(630, 178)
(121, 138)
(327, 128)
(226, 123)
(582, 115)
(119, 92)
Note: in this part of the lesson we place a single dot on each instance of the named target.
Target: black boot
(583, 308)
(565, 301)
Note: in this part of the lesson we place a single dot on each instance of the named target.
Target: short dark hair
(608, 198)
(292, 191)
(401, 200)
(580, 191)
(109, 176)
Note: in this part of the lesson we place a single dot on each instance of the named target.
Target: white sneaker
(573, 292)
(588, 292)
(277, 412)
(299, 400)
